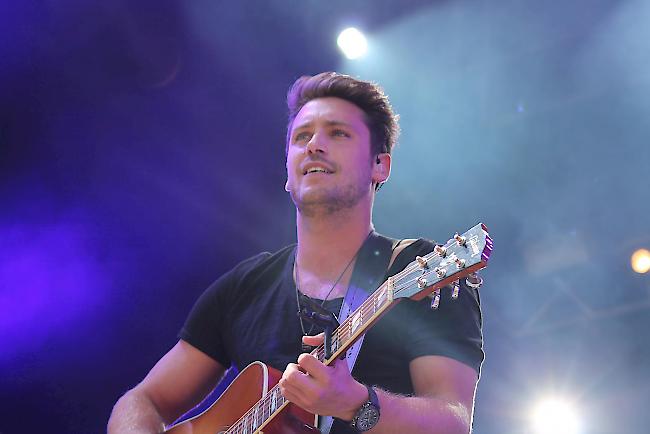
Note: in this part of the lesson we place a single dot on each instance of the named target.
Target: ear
(381, 168)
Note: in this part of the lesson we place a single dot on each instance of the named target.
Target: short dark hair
(381, 120)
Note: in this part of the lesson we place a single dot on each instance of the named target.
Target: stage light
(640, 261)
(553, 416)
(352, 43)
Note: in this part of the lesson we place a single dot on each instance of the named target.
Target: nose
(316, 144)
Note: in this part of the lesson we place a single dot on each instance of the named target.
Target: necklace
(297, 279)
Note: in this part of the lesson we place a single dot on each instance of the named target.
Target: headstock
(461, 256)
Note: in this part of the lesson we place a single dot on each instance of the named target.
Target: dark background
(142, 155)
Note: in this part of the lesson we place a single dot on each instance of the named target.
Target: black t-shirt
(249, 314)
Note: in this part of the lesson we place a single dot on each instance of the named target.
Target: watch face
(368, 418)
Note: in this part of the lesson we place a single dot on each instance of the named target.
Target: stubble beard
(330, 201)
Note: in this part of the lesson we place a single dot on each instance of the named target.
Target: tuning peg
(435, 299)
(473, 280)
(460, 263)
(455, 290)
(422, 261)
(441, 272)
(461, 239)
(440, 250)
(422, 282)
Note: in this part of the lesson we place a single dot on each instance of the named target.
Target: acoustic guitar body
(243, 393)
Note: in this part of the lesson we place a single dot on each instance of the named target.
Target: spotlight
(553, 416)
(640, 261)
(352, 43)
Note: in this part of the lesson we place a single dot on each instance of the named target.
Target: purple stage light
(50, 280)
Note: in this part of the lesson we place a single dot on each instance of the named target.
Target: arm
(443, 401)
(178, 382)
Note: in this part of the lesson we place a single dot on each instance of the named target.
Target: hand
(320, 389)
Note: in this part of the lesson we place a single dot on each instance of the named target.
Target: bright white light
(554, 416)
(641, 261)
(352, 42)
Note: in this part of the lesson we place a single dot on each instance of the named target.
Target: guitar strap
(369, 270)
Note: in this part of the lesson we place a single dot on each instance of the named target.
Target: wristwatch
(368, 414)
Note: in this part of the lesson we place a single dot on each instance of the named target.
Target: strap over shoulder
(373, 262)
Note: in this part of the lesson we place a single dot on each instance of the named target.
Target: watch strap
(372, 397)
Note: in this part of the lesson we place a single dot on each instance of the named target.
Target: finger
(293, 372)
(314, 341)
(291, 393)
(312, 366)
(295, 377)
(296, 385)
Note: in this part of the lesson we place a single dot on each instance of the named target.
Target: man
(423, 365)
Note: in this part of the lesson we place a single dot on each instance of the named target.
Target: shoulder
(405, 251)
(258, 266)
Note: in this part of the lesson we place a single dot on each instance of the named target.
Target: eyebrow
(328, 123)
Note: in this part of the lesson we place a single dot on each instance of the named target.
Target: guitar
(253, 404)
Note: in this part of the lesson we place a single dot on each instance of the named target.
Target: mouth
(312, 168)
(316, 170)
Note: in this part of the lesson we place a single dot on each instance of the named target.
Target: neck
(327, 243)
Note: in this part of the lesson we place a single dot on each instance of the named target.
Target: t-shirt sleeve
(452, 330)
(206, 325)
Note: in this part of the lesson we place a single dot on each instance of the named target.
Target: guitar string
(363, 309)
(366, 311)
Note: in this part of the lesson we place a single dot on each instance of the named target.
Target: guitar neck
(357, 323)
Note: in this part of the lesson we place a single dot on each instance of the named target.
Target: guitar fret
(264, 408)
(366, 310)
(274, 404)
(280, 397)
(374, 303)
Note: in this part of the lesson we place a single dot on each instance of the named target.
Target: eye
(302, 136)
(340, 133)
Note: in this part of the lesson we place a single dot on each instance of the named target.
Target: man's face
(328, 160)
